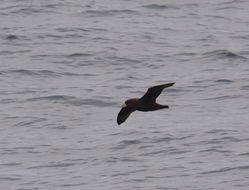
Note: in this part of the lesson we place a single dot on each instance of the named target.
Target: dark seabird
(146, 103)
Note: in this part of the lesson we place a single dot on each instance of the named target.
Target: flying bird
(145, 103)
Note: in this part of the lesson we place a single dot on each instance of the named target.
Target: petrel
(145, 103)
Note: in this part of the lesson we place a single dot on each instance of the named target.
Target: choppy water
(66, 67)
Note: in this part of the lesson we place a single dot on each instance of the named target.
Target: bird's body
(145, 103)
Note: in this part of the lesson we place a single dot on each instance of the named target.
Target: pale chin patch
(123, 105)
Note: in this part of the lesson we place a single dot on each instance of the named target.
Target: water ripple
(5, 52)
(224, 81)
(72, 100)
(54, 164)
(10, 178)
(226, 169)
(73, 184)
(11, 37)
(30, 122)
(97, 13)
(80, 55)
(31, 72)
(246, 87)
(127, 143)
(223, 54)
(158, 7)
(216, 150)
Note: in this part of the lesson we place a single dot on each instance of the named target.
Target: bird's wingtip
(119, 122)
(169, 84)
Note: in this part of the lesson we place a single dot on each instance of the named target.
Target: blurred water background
(67, 66)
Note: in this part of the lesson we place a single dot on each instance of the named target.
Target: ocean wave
(60, 37)
(31, 72)
(226, 169)
(228, 5)
(222, 140)
(191, 5)
(73, 184)
(42, 73)
(116, 60)
(55, 165)
(11, 37)
(10, 178)
(72, 100)
(157, 6)
(29, 121)
(26, 10)
(9, 164)
(220, 131)
(155, 153)
(162, 139)
(77, 74)
(224, 97)
(231, 8)
(54, 5)
(53, 98)
(126, 143)
(79, 55)
(93, 102)
(72, 29)
(123, 87)
(30, 9)
(222, 54)
(94, 13)
(245, 87)
(244, 154)
(225, 81)
(216, 150)
(6, 52)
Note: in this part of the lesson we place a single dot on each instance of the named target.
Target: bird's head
(130, 103)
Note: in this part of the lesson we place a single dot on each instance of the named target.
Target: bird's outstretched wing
(154, 91)
(124, 114)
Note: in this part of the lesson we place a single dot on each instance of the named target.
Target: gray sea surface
(67, 66)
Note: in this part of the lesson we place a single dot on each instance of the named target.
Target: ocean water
(67, 66)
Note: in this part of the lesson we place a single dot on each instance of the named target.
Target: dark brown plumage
(145, 103)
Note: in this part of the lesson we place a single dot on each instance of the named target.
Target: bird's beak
(123, 105)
